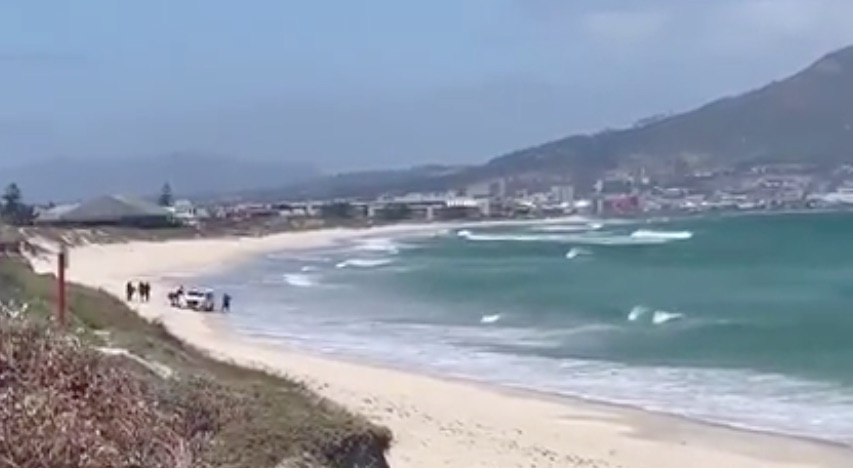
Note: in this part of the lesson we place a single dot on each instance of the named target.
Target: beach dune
(436, 422)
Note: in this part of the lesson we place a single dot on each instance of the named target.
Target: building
(109, 210)
(562, 194)
(185, 212)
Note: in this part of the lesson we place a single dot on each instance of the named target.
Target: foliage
(60, 394)
(110, 409)
(166, 197)
(13, 209)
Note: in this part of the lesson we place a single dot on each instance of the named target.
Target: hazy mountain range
(807, 117)
(187, 173)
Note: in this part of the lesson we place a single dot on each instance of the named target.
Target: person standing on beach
(141, 288)
(129, 291)
(226, 302)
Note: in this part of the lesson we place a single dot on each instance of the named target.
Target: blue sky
(377, 83)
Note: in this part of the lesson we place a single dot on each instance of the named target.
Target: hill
(364, 184)
(806, 118)
(188, 173)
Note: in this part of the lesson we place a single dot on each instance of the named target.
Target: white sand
(438, 422)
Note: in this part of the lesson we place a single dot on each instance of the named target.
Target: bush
(64, 404)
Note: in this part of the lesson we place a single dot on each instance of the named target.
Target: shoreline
(489, 425)
(529, 393)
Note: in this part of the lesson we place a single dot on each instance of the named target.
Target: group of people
(142, 289)
(175, 299)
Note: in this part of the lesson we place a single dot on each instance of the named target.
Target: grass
(227, 415)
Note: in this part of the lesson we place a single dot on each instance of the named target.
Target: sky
(347, 85)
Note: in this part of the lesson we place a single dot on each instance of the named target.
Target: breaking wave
(299, 280)
(655, 317)
(640, 237)
(576, 252)
(570, 227)
(379, 244)
(364, 262)
(662, 235)
(490, 318)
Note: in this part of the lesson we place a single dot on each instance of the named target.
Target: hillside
(807, 117)
(188, 173)
(168, 405)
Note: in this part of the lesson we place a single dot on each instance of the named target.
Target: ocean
(744, 321)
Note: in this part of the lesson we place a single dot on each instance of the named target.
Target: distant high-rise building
(563, 193)
(497, 189)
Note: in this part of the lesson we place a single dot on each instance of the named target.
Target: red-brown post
(60, 283)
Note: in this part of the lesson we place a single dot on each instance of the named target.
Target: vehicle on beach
(199, 299)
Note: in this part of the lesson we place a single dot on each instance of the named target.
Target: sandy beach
(437, 422)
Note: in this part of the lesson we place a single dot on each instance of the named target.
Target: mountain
(188, 174)
(364, 184)
(806, 118)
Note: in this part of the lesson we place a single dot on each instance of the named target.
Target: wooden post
(62, 259)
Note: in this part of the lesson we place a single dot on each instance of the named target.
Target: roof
(106, 208)
(55, 213)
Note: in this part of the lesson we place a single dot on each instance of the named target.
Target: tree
(166, 198)
(13, 209)
(11, 199)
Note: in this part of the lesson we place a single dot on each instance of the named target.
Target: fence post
(62, 264)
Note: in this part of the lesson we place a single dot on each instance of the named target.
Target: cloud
(623, 28)
(753, 27)
(720, 27)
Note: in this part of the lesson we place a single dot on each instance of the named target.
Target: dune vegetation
(112, 389)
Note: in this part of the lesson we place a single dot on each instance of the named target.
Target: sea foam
(576, 252)
(364, 262)
(570, 227)
(490, 318)
(641, 237)
(379, 244)
(665, 235)
(300, 280)
(655, 317)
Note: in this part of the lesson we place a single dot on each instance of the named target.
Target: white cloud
(724, 27)
(755, 26)
(620, 28)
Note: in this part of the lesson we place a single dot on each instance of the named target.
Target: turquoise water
(746, 321)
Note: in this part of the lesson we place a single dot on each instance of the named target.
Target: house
(109, 210)
(185, 212)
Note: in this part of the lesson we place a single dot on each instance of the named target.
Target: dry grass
(62, 404)
(215, 413)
